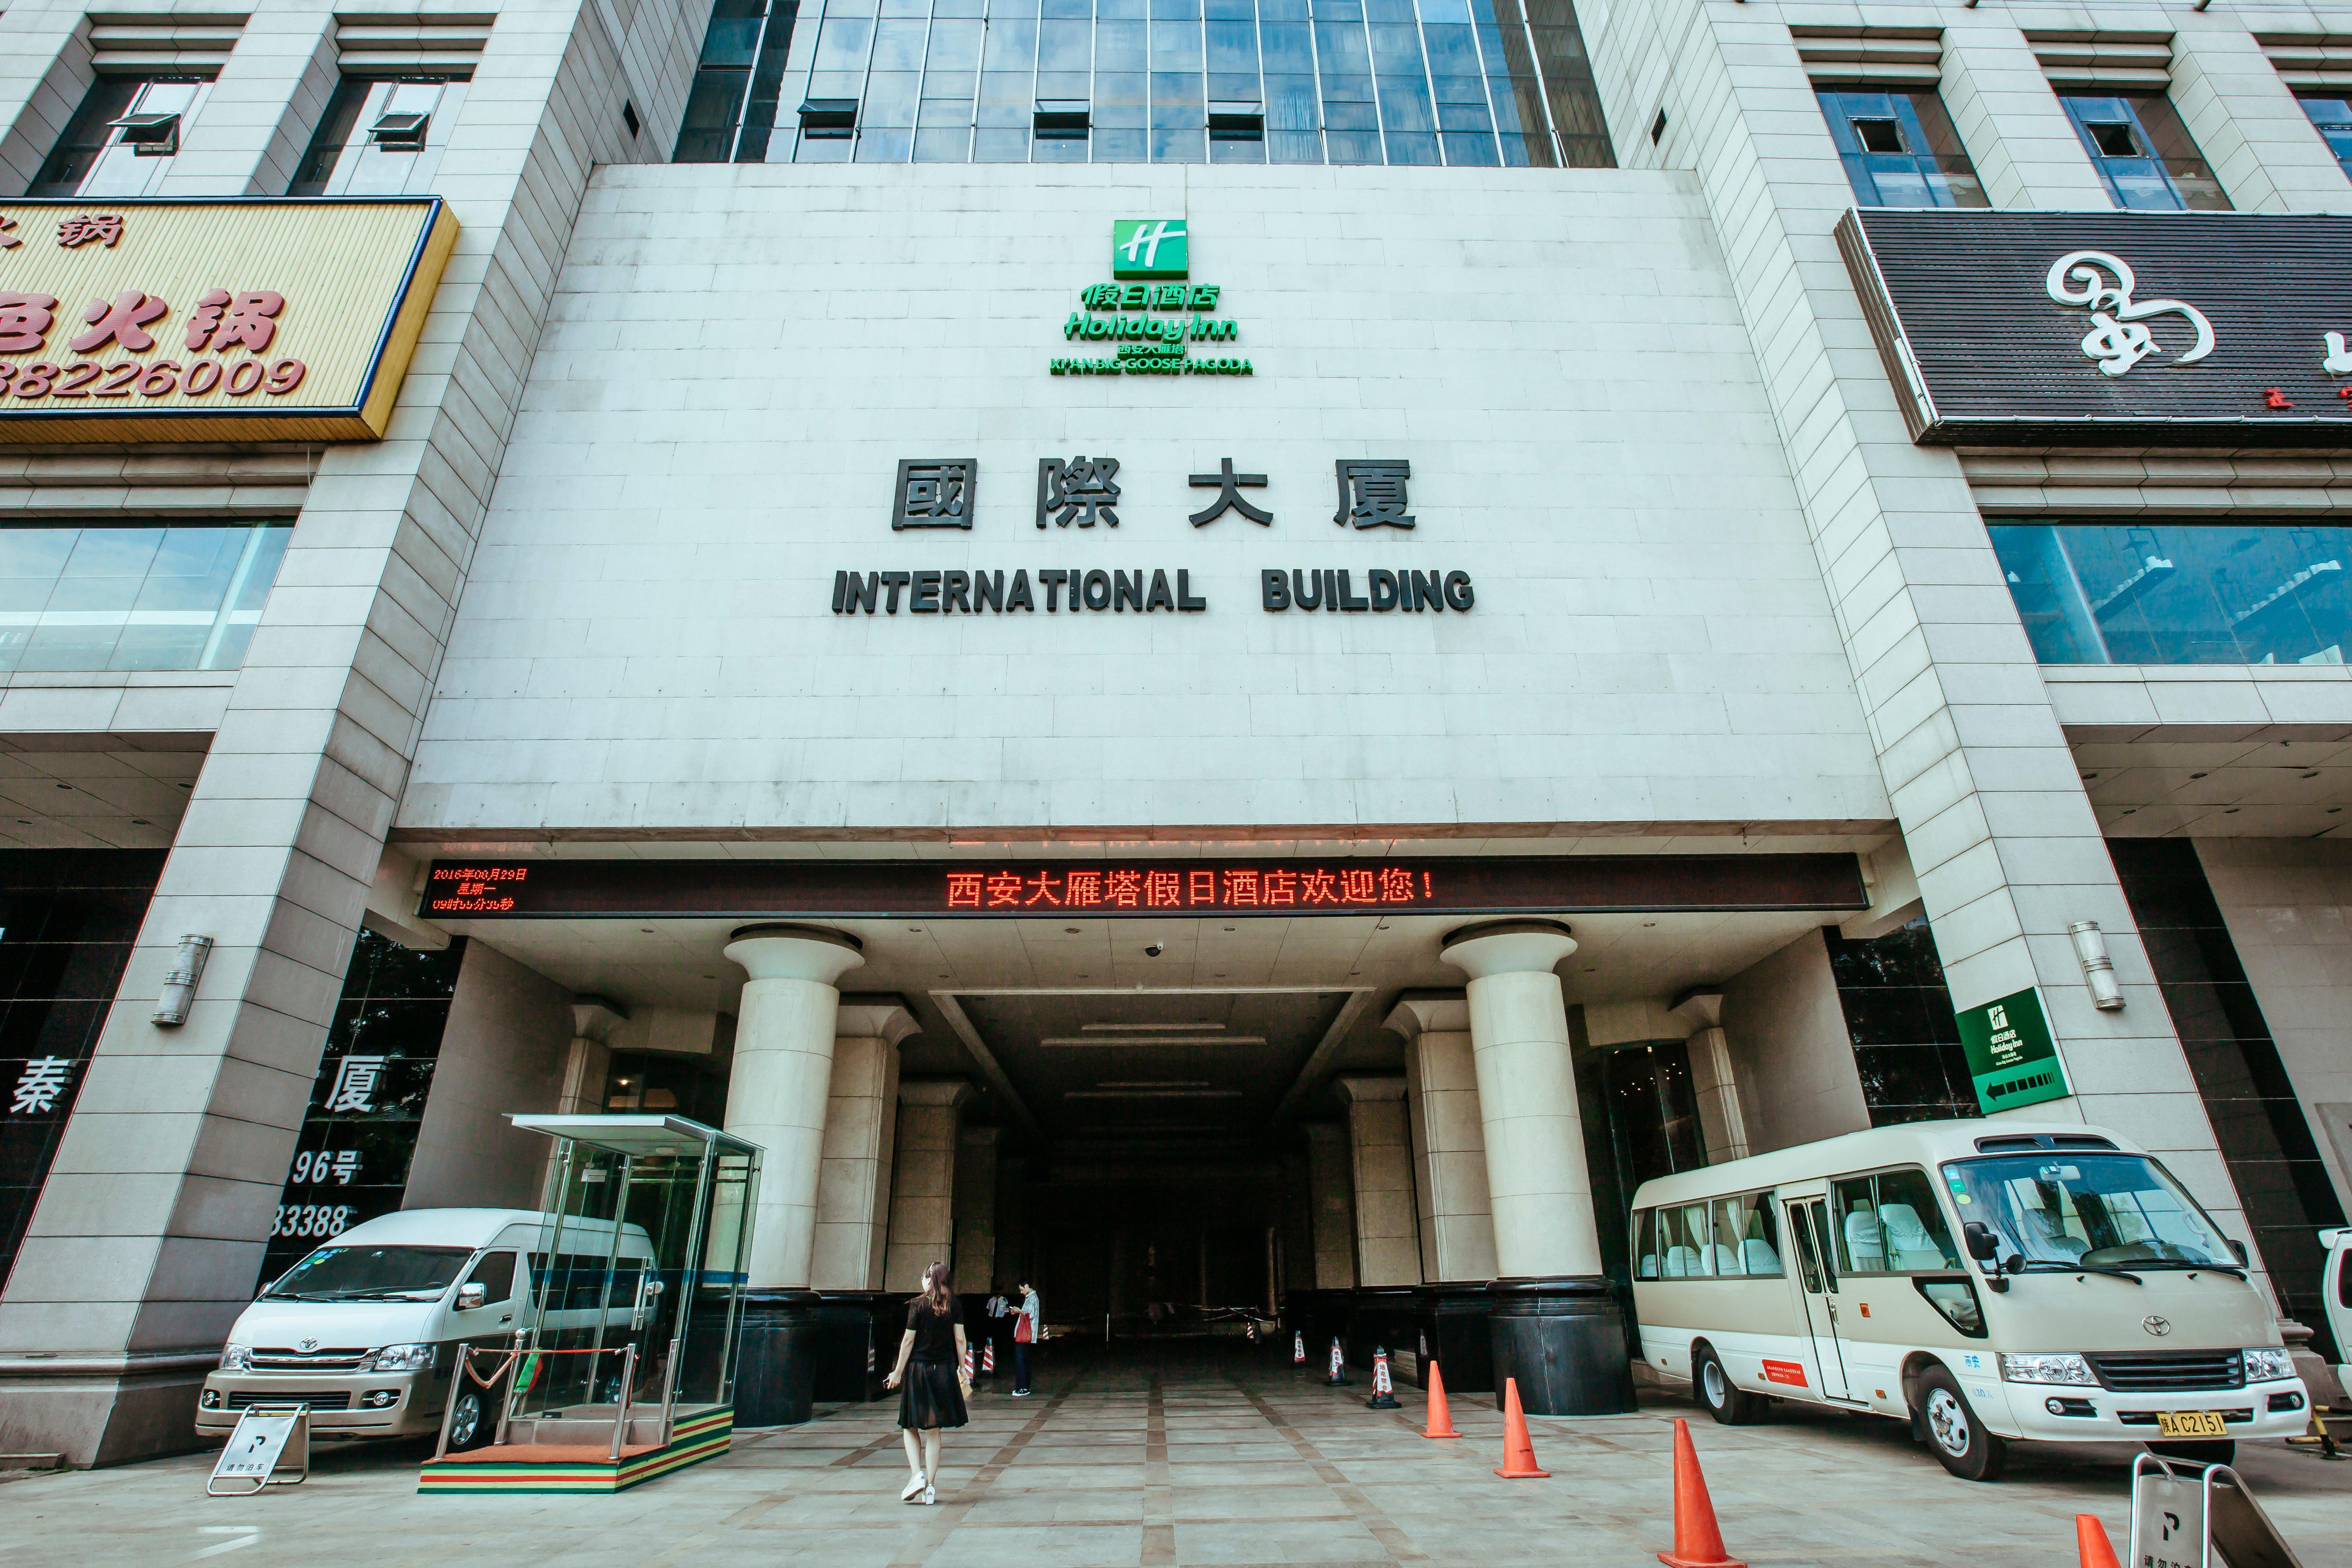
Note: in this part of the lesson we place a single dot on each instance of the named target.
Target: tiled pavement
(1168, 1461)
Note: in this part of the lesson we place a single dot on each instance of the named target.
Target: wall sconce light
(180, 985)
(2098, 969)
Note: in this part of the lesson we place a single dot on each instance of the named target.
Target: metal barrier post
(514, 1377)
(449, 1409)
(628, 1376)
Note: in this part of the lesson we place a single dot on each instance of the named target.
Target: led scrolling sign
(1117, 887)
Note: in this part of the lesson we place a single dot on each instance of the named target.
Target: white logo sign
(38, 1086)
(1142, 246)
(2117, 339)
(1999, 1018)
(355, 1084)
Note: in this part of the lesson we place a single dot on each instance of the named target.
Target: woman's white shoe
(931, 1496)
(914, 1488)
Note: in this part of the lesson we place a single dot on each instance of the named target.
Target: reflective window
(2144, 593)
(1683, 1242)
(2144, 153)
(495, 1274)
(1889, 1223)
(123, 138)
(1747, 1238)
(2331, 115)
(1727, 1238)
(1456, 82)
(1645, 1245)
(1899, 148)
(730, 109)
(180, 597)
(381, 136)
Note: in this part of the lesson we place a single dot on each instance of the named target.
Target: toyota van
(365, 1328)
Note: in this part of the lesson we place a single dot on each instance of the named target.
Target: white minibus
(1987, 1280)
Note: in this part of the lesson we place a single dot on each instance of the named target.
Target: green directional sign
(2011, 1057)
(1149, 247)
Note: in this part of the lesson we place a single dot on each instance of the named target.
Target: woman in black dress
(931, 1366)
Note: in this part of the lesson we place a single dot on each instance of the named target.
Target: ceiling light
(1154, 1083)
(1187, 1028)
(1151, 1094)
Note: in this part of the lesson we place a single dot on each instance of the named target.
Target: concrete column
(1449, 1149)
(1556, 1328)
(861, 1121)
(1388, 1246)
(586, 1066)
(2245, 118)
(1333, 1216)
(2017, 133)
(776, 1090)
(975, 1210)
(922, 1182)
(1721, 1122)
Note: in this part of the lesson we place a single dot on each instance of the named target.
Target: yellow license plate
(2190, 1424)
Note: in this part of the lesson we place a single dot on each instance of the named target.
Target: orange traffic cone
(1519, 1453)
(1698, 1543)
(2091, 1541)
(1441, 1419)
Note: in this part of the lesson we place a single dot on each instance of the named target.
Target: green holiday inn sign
(1152, 314)
(2013, 1059)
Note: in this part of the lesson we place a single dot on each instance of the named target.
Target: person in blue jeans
(1028, 1328)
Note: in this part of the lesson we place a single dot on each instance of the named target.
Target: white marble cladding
(739, 357)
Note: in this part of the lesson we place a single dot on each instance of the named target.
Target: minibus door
(1809, 1223)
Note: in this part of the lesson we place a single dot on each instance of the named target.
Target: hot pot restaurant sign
(251, 319)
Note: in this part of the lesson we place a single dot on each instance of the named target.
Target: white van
(1987, 1280)
(2336, 1290)
(365, 1330)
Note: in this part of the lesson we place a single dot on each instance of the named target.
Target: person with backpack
(1028, 1328)
(931, 1366)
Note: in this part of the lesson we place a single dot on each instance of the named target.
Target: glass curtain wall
(1476, 82)
(186, 596)
(730, 110)
(2331, 116)
(2144, 154)
(1899, 148)
(2140, 592)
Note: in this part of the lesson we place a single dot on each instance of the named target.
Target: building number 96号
(86, 378)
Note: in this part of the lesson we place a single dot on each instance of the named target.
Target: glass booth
(638, 1280)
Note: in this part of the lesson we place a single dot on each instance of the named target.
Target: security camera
(1154, 950)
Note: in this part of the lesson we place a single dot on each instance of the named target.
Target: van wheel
(1725, 1400)
(1959, 1440)
(472, 1422)
(2219, 1451)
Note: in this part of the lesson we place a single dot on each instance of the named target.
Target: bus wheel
(2220, 1452)
(1960, 1441)
(1725, 1400)
(473, 1419)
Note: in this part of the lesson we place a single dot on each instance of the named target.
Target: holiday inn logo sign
(1150, 313)
(1149, 247)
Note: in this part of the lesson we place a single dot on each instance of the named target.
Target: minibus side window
(1683, 1242)
(1645, 1243)
(1729, 1228)
(1744, 1225)
(2344, 1280)
(1806, 1261)
(1889, 1223)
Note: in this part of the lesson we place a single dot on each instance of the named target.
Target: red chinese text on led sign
(474, 889)
(1133, 887)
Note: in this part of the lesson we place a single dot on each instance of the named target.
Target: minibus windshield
(371, 1273)
(2087, 1210)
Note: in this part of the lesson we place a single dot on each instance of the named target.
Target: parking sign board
(265, 1443)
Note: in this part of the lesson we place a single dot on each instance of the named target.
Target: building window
(352, 1158)
(381, 136)
(2144, 154)
(2331, 116)
(68, 919)
(730, 110)
(121, 140)
(1898, 1018)
(1899, 148)
(1455, 82)
(2256, 1115)
(186, 596)
(2136, 593)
